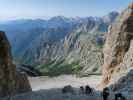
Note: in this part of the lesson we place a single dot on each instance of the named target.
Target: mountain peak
(110, 17)
(59, 18)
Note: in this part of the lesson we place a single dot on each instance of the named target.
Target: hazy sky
(69, 8)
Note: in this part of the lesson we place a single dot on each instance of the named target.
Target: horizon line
(49, 17)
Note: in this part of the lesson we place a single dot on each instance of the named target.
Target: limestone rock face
(9, 82)
(118, 47)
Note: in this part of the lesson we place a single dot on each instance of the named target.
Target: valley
(59, 45)
(68, 58)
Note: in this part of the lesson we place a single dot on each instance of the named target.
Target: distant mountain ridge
(42, 41)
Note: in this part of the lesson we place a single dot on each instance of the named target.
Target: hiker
(119, 96)
(82, 90)
(88, 89)
(105, 93)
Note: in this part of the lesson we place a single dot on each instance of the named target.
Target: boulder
(68, 89)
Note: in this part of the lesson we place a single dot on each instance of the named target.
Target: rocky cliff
(11, 81)
(118, 54)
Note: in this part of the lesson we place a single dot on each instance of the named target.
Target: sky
(16, 9)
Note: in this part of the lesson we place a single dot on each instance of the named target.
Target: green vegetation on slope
(54, 68)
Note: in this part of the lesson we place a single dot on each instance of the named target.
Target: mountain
(38, 42)
(118, 53)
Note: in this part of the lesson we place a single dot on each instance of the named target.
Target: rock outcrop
(118, 54)
(11, 82)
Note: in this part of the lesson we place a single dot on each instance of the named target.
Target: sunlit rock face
(9, 79)
(117, 50)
